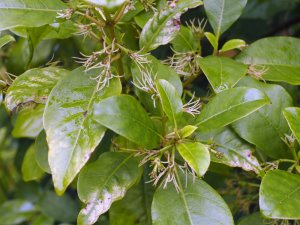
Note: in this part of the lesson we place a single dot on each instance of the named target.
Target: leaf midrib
(79, 134)
(234, 106)
(170, 106)
(191, 154)
(286, 198)
(182, 195)
(139, 122)
(123, 161)
(220, 20)
(162, 25)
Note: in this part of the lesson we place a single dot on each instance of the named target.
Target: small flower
(96, 61)
(129, 7)
(184, 63)
(164, 172)
(84, 29)
(257, 71)
(140, 59)
(147, 84)
(199, 29)
(192, 106)
(289, 140)
(89, 61)
(65, 14)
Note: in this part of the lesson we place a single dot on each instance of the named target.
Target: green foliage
(135, 112)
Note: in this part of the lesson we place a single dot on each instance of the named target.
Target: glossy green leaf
(279, 195)
(277, 57)
(187, 131)
(164, 25)
(33, 86)
(106, 3)
(230, 149)
(196, 155)
(292, 115)
(6, 39)
(60, 30)
(171, 101)
(233, 44)
(16, 211)
(124, 115)
(222, 73)
(41, 152)
(29, 122)
(223, 13)
(30, 169)
(14, 13)
(212, 39)
(197, 203)
(105, 181)
(142, 18)
(240, 102)
(72, 133)
(138, 211)
(61, 208)
(267, 123)
(185, 40)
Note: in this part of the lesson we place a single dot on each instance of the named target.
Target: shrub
(143, 112)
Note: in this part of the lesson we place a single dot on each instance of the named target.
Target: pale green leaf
(196, 203)
(233, 44)
(277, 58)
(240, 102)
(30, 169)
(33, 86)
(162, 27)
(212, 39)
(29, 122)
(223, 13)
(171, 101)
(196, 155)
(124, 115)
(279, 195)
(28, 13)
(72, 133)
(105, 181)
(222, 73)
(267, 123)
(6, 39)
(187, 131)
